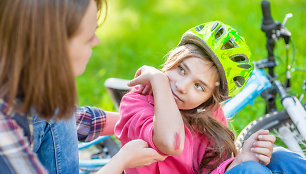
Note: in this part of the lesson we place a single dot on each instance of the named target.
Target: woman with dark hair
(44, 45)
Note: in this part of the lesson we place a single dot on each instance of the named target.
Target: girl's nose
(95, 41)
(182, 85)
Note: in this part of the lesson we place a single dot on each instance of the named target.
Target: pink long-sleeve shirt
(137, 112)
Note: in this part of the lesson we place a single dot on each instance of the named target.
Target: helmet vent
(239, 58)
(239, 81)
(245, 66)
(220, 31)
(230, 43)
(199, 28)
(214, 26)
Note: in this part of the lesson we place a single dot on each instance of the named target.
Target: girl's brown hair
(222, 138)
(34, 62)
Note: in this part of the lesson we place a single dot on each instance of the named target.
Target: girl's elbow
(176, 151)
(170, 148)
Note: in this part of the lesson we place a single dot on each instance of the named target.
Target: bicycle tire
(270, 121)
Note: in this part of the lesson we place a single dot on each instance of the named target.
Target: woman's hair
(34, 62)
(200, 118)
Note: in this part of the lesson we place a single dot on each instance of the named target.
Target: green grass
(141, 32)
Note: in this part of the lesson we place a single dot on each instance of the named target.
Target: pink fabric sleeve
(136, 120)
(222, 167)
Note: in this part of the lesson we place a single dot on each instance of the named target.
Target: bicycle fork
(297, 114)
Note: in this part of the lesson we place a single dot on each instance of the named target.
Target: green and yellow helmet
(227, 50)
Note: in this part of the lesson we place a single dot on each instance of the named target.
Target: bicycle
(286, 124)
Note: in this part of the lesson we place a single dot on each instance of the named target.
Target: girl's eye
(199, 87)
(181, 69)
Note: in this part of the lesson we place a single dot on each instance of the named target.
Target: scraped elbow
(170, 147)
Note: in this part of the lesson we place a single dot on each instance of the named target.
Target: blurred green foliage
(139, 32)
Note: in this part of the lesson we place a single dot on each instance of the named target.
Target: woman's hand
(258, 147)
(144, 77)
(133, 154)
(137, 154)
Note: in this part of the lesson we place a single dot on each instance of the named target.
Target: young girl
(176, 110)
(44, 46)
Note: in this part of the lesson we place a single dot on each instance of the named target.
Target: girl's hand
(137, 154)
(145, 89)
(258, 147)
(144, 77)
(263, 147)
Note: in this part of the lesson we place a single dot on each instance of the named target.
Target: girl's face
(80, 45)
(192, 82)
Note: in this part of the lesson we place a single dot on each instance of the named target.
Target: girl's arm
(169, 133)
(133, 154)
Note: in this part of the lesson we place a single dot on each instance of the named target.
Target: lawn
(141, 32)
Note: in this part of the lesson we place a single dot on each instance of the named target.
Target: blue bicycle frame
(257, 83)
(92, 164)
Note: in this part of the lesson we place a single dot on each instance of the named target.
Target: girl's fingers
(264, 144)
(146, 89)
(263, 132)
(263, 159)
(270, 138)
(133, 82)
(140, 89)
(262, 151)
(136, 81)
(260, 132)
(138, 72)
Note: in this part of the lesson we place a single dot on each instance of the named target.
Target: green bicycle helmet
(227, 50)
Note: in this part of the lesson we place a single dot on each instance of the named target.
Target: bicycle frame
(92, 164)
(257, 83)
(294, 108)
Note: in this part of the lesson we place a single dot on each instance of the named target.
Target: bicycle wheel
(276, 123)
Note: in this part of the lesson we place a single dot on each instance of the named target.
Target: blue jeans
(281, 162)
(56, 145)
